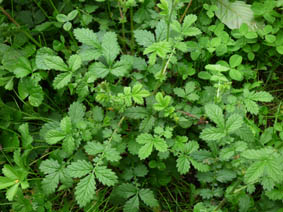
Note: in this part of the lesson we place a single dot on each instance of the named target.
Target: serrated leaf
(110, 47)
(111, 154)
(199, 166)
(105, 176)
(49, 166)
(140, 170)
(160, 144)
(126, 190)
(50, 183)
(159, 48)
(6, 182)
(62, 80)
(144, 38)
(261, 96)
(215, 113)
(132, 205)
(94, 148)
(85, 190)
(11, 192)
(234, 122)
(183, 164)
(76, 112)
(54, 136)
(147, 124)
(234, 14)
(136, 113)
(79, 168)
(69, 145)
(145, 151)
(254, 172)
(251, 106)
(54, 63)
(87, 36)
(148, 198)
(75, 62)
(212, 134)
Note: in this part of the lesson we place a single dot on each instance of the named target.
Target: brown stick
(185, 12)
(9, 17)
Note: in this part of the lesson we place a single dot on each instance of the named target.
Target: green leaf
(199, 166)
(138, 94)
(126, 190)
(162, 102)
(189, 20)
(183, 164)
(54, 136)
(22, 67)
(76, 112)
(72, 15)
(87, 37)
(132, 205)
(62, 80)
(66, 125)
(11, 192)
(97, 70)
(75, 62)
(140, 170)
(159, 48)
(145, 151)
(6, 182)
(136, 113)
(69, 145)
(27, 139)
(212, 134)
(85, 190)
(234, 122)
(261, 96)
(148, 198)
(160, 144)
(254, 172)
(251, 106)
(79, 168)
(236, 75)
(110, 47)
(215, 113)
(53, 63)
(49, 166)
(62, 18)
(50, 183)
(144, 38)
(94, 148)
(235, 60)
(216, 67)
(111, 154)
(28, 87)
(234, 14)
(105, 176)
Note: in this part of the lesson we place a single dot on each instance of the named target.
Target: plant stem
(123, 26)
(19, 26)
(169, 20)
(132, 31)
(53, 6)
(185, 12)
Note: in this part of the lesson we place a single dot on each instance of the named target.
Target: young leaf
(85, 190)
(138, 94)
(212, 134)
(54, 63)
(94, 148)
(75, 62)
(54, 136)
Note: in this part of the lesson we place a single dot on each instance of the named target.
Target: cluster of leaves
(103, 104)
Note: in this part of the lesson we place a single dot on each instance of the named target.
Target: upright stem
(132, 31)
(169, 20)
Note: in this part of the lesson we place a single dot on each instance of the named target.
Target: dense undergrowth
(141, 105)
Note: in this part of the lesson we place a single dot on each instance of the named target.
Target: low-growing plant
(125, 105)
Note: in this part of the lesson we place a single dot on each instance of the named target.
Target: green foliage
(147, 105)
